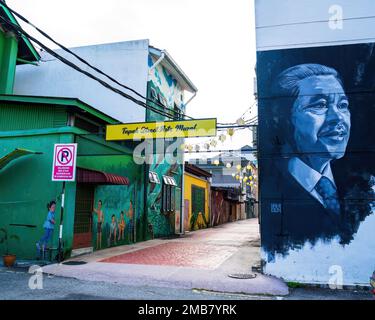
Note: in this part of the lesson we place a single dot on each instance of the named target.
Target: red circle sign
(64, 156)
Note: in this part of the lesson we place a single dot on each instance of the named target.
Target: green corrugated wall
(16, 117)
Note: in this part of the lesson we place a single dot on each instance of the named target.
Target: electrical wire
(247, 110)
(79, 58)
(312, 22)
(72, 65)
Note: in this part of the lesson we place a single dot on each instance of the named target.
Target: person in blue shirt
(49, 225)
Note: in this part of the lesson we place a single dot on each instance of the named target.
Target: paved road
(195, 266)
(201, 259)
(14, 285)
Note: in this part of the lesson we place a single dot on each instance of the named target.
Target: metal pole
(134, 216)
(182, 209)
(59, 255)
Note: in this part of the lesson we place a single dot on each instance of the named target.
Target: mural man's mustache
(339, 129)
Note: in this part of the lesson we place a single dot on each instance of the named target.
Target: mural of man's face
(321, 118)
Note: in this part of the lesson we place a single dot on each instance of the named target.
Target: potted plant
(8, 258)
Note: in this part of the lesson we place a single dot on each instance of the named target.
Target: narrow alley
(202, 259)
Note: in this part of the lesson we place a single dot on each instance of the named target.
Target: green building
(29, 128)
(146, 196)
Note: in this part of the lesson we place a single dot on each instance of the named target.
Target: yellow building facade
(196, 198)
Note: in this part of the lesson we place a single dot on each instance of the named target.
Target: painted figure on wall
(130, 223)
(312, 187)
(112, 239)
(49, 225)
(100, 223)
(121, 227)
(318, 123)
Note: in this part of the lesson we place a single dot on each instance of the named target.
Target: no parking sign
(64, 162)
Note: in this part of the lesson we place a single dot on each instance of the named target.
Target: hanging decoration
(241, 122)
(230, 132)
(213, 143)
(222, 138)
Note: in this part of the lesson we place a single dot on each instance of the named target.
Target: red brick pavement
(195, 255)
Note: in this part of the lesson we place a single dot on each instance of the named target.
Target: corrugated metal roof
(100, 177)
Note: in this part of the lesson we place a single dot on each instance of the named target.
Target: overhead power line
(62, 59)
(312, 22)
(74, 66)
(247, 110)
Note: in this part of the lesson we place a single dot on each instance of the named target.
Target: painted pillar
(8, 59)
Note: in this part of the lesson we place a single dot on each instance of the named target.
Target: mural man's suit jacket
(303, 218)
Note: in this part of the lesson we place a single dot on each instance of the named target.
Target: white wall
(306, 23)
(124, 61)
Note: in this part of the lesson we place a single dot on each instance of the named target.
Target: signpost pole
(61, 223)
(63, 169)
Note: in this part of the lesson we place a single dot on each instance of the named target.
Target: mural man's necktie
(328, 192)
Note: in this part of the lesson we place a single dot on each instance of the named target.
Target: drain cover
(242, 275)
(74, 263)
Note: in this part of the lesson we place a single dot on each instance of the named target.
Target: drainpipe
(191, 98)
(182, 217)
(182, 212)
(157, 62)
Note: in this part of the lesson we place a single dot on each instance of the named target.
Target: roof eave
(33, 54)
(175, 69)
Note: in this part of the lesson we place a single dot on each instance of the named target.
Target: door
(198, 202)
(83, 216)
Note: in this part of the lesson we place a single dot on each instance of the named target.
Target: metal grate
(74, 263)
(242, 275)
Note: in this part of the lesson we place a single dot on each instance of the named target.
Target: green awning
(15, 154)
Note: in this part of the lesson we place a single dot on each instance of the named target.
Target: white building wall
(308, 23)
(127, 62)
(311, 23)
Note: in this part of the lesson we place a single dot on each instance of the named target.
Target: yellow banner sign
(166, 129)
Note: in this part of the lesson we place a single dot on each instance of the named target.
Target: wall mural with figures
(165, 90)
(117, 210)
(113, 217)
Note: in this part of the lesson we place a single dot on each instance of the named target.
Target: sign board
(166, 129)
(64, 162)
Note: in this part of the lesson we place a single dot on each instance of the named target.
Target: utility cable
(72, 65)
(83, 60)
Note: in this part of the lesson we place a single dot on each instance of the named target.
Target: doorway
(83, 216)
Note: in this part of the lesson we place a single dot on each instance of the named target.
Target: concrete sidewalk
(199, 260)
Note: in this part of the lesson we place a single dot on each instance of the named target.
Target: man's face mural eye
(322, 105)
